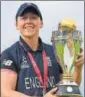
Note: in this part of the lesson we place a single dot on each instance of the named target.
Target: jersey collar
(27, 47)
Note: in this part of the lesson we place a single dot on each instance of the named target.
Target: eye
(33, 17)
(24, 17)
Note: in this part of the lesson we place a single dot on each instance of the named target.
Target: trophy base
(69, 96)
(68, 88)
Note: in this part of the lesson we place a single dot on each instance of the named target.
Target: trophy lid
(67, 22)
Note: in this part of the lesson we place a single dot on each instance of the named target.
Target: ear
(41, 24)
(16, 24)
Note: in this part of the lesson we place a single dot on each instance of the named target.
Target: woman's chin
(29, 35)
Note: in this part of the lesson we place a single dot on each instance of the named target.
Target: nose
(28, 20)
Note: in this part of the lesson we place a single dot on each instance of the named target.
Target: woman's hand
(51, 93)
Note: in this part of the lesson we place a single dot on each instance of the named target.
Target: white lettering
(27, 83)
(33, 82)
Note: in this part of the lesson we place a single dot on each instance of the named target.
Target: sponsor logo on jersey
(7, 62)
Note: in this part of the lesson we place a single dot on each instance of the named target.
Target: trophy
(66, 42)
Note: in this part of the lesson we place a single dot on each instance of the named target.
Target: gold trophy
(66, 42)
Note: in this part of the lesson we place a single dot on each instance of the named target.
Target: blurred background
(52, 12)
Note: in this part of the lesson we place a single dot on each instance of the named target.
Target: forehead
(29, 14)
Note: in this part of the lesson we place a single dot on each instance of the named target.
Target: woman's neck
(32, 42)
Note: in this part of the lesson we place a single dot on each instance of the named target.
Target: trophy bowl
(66, 43)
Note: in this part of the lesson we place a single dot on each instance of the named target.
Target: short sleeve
(7, 61)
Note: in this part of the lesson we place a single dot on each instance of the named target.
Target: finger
(79, 55)
(54, 90)
(81, 50)
(79, 62)
(56, 95)
(79, 59)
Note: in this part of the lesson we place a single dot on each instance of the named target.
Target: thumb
(54, 90)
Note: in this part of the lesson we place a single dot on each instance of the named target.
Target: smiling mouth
(29, 27)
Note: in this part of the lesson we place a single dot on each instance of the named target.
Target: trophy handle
(59, 51)
(77, 49)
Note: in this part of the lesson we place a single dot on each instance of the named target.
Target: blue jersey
(15, 58)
